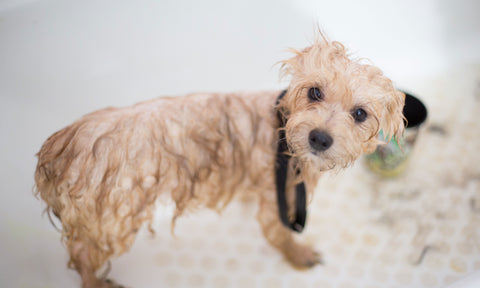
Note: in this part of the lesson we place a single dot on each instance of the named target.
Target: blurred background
(62, 59)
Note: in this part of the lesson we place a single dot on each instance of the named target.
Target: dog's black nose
(320, 140)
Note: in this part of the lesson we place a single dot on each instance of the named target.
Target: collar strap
(281, 169)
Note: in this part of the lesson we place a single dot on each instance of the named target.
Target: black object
(414, 111)
(281, 169)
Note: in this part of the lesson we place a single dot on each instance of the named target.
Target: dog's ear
(393, 120)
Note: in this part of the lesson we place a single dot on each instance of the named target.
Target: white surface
(62, 59)
(471, 281)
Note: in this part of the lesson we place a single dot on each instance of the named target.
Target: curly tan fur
(102, 175)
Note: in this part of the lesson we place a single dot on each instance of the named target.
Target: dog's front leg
(299, 255)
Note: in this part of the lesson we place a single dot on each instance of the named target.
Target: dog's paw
(303, 256)
(109, 283)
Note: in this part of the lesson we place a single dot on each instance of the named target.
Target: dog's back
(102, 175)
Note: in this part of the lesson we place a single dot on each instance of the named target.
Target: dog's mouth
(319, 151)
(325, 161)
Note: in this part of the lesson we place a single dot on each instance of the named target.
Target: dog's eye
(359, 115)
(315, 94)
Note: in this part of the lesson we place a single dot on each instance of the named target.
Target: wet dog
(103, 175)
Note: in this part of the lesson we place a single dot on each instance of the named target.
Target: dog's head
(336, 106)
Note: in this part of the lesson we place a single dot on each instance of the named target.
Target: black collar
(281, 169)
